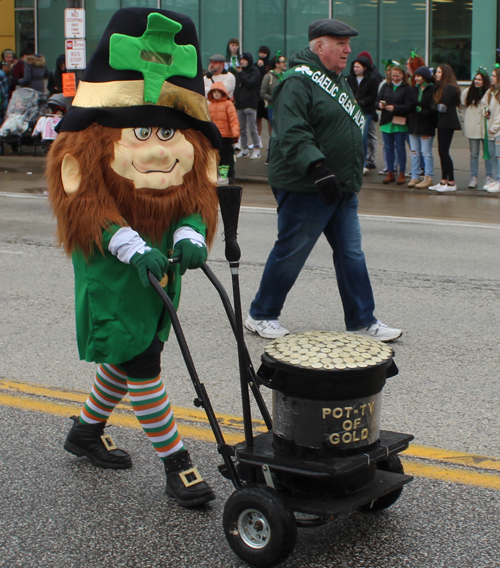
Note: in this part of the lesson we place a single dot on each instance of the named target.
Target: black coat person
(246, 99)
(365, 91)
(364, 88)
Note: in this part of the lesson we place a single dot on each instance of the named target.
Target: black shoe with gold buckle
(184, 482)
(89, 440)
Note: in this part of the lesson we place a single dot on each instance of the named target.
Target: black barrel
(326, 392)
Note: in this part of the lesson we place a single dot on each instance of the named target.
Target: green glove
(153, 260)
(192, 255)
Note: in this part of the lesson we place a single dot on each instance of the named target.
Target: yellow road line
(64, 403)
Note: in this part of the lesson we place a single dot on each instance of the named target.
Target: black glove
(329, 187)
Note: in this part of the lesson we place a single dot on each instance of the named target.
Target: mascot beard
(100, 197)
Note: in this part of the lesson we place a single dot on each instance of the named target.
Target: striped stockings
(149, 401)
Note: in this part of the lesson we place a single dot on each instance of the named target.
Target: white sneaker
(488, 183)
(255, 154)
(494, 187)
(268, 329)
(446, 188)
(473, 182)
(365, 171)
(380, 331)
(383, 172)
(243, 154)
(222, 181)
(438, 186)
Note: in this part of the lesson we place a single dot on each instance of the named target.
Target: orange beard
(105, 198)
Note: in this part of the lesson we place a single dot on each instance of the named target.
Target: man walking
(315, 171)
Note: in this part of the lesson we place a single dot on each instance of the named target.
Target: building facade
(459, 32)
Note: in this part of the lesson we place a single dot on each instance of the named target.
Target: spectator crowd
(411, 102)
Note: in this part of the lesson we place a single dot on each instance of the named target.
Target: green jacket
(116, 317)
(310, 126)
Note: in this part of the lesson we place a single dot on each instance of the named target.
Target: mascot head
(137, 147)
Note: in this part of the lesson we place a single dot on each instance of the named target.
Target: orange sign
(69, 84)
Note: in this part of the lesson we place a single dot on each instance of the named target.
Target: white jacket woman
(491, 109)
(473, 127)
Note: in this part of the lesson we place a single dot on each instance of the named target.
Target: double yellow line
(432, 463)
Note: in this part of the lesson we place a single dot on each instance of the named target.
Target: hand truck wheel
(259, 525)
(392, 464)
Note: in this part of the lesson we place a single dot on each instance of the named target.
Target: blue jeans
(421, 148)
(475, 146)
(494, 150)
(366, 133)
(399, 139)
(302, 217)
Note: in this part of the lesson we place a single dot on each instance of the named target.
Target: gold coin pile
(328, 350)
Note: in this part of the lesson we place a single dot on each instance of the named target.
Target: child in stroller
(44, 130)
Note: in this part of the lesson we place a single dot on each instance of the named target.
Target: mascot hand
(192, 255)
(153, 260)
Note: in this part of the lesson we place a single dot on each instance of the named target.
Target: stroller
(44, 132)
(25, 107)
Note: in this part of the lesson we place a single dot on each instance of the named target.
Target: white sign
(75, 54)
(74, 23)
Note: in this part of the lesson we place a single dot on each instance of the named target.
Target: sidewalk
(25, 173)
(256, 170)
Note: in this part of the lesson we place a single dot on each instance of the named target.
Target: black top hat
(145, 71)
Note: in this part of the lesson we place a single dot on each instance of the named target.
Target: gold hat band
(121, 94)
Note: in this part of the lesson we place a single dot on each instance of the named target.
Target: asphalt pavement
(435, 277)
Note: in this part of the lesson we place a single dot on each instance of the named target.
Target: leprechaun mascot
(132, 182)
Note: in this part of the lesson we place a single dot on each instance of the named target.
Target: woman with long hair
(447, 100)
(474, 125)
(395, 100)
(491, 102)
(422, 128)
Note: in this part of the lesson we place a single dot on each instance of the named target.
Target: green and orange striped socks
(152, 408)
(110, 386)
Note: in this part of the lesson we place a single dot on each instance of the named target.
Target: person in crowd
(315, 172)
(35, 72)
(54, 83)
(447, 99)
(8, 62)
(385, 81)
(246, 98)
(13, 69)
(394, 100)
(422, 128)
(474, 125)
(225, 118)
(364, 86)
(413, 63)
(372, 130)
(217, 73)
(491, 104)
(263, 65)
(233, 54)
(269, 82)
(4, 95)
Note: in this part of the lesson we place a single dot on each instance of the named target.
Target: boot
(401, 178)
(389, 178)
(184, 483)
(413, 182)
(90, 441)
(425, 183)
